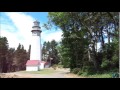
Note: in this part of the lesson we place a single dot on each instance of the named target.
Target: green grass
(103, 75)
(44, 71)
(100, 76)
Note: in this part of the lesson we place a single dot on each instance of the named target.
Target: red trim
(47, 63)
(32, 62)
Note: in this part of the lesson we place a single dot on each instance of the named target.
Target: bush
(80, 72)
(75, 70)
(84, 74)
(113, 70)
(105, 64)
(115, 61)
(54, 66)
(115, 75)
(60, 66)
(89, 70)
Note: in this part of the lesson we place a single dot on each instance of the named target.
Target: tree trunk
(108, 34)
(94, 57)
(102, 39)
(89, 57)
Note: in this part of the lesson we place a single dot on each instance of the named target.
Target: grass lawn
(100, 76)
(103, 75)
(44, 71)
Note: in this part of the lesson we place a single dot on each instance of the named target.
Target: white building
(35, 63)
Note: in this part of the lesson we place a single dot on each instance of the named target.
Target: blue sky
(40, 16)
(17, 26)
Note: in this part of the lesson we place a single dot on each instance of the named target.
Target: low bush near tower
(54, 66)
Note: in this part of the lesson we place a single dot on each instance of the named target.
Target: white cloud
(19, 31)
(49, 36)
(12, 38)
(23, 23)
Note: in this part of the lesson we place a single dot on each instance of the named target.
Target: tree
(49, 50)
(3, 53)
(54, 52)
(81, 33)
(11, 59)
(10, 56)
(20, 58)
(63, 56)
(44, 51)
(29, 52)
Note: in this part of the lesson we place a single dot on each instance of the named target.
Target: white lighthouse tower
(35, 42)
(35, 63)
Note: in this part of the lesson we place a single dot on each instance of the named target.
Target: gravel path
(59, 73)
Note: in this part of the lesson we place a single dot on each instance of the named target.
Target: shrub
(84, 74)
(115, 61)
(80, 72)
(89, 70)
(105, 64)
(60, 66)
(54, 66)
(115, 75)
(75, 70)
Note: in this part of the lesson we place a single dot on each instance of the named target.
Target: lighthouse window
(34, 33)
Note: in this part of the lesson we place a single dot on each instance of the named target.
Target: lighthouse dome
(36, 26)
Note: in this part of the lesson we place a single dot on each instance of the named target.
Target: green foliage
(81, 33)
(115, 60)
(89, 70)
(54, 66)
(11, 59)
(105, 64)
(3, 53)
(60, 66)
(96, 75)
(49, 50)
(64, 56)
(76, 70)
(106, 75)
(81, 72)
(115, 75)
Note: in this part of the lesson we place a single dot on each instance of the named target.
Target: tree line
(50, 52)
(12, 60)
(82, 31)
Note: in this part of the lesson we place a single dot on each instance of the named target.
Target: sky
(17, 26)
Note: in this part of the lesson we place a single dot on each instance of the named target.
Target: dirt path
(59, 73)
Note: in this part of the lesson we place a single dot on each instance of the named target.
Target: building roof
(36, 62)
(33, 63)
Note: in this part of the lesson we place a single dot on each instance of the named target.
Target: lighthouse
(35, 63)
